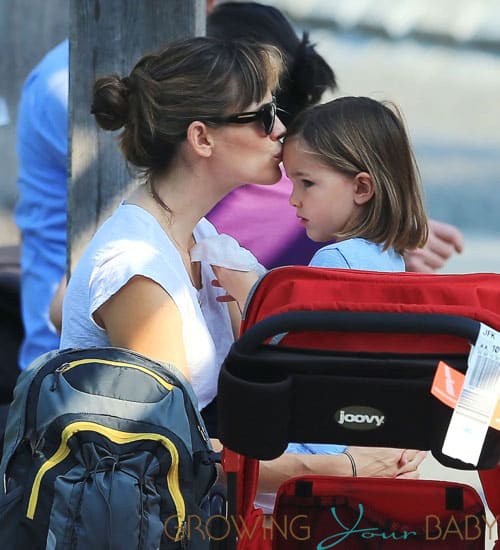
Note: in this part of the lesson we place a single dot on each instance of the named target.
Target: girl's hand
(237, 284)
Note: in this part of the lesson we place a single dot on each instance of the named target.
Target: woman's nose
(279, 129)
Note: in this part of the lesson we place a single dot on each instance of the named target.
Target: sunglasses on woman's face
(266, 114)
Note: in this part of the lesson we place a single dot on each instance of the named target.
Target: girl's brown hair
(193, 79)
(359, 134)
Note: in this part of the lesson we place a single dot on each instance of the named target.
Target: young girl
(355, 180)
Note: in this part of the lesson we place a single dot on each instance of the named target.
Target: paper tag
(477, 400)
(447, 385)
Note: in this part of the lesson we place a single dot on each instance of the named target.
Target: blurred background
(439, 60)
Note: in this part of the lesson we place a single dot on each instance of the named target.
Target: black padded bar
(357, 321)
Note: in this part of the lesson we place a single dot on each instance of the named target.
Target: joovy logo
(359, 418)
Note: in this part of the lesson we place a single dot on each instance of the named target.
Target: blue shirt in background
(42, 147)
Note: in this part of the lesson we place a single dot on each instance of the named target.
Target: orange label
(495, 419)
(447, 385)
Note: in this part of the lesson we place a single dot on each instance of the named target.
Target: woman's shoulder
(128, 223)
(129, 239)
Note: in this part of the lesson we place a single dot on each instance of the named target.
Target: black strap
(357, 322)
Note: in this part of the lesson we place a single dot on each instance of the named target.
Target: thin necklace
(159, 201)
(185, 255)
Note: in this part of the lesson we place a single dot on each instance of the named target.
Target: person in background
(40, 213)
(258, 217)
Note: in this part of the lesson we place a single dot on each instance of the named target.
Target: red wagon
(316, 343)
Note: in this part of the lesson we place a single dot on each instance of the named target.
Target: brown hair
(359, 134)
(192, 79)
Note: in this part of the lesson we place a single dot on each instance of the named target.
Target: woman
(198, 121)
(183, 129)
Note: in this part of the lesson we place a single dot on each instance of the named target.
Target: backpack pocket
(88, 509)
(105, 488)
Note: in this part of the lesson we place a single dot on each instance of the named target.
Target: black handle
(357, 321)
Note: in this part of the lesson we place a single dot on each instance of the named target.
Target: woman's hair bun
(110, 104)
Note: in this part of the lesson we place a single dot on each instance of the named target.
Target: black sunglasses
(266, 114)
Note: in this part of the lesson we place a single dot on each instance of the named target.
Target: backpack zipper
(72, 364)
(65, 367)
(118, 437)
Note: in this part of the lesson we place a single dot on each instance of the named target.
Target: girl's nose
(293, 200)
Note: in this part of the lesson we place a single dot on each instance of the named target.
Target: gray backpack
(104, 449)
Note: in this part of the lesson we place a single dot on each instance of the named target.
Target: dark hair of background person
(307, 75)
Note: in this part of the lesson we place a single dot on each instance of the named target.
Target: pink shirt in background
(261, 219)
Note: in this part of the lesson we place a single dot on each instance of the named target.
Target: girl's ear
(200, 138)
(363, 188)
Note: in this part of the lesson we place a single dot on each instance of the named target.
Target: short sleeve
(117, 264)
(329, 257)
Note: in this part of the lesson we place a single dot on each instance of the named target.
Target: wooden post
(109, 36)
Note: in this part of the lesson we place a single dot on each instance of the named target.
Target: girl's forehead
(297, 146)
(294, 143)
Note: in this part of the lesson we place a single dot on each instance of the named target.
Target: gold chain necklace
(159, 201)
(185, 255)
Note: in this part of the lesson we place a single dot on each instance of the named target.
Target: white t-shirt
(130, 243)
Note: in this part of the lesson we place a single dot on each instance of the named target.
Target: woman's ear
(200, 138)
(363, 188)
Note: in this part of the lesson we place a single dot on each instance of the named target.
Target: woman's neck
(180, 198)
(178, 228)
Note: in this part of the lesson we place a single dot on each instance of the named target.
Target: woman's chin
(271, 180)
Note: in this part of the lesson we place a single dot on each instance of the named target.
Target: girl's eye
(307, 183)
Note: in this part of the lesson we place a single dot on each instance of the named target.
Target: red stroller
(319, 346)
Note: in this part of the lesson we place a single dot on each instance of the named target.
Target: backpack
(104, 449)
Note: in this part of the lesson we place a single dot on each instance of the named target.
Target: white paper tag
(476, 403)
(4, 112)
